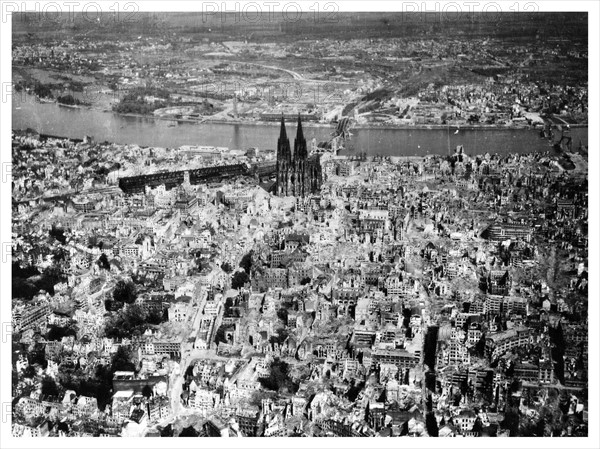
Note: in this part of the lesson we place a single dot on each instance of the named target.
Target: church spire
(283, 144)
(282, 133)
(300, 151)
(299, 133)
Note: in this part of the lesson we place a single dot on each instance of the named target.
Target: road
(294, 75)
(190, 354)
(176, 379)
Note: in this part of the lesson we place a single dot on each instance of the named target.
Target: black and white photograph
(299, 219)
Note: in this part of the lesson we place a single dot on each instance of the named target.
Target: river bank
(43, 137)
(51, 119)
(309, 124)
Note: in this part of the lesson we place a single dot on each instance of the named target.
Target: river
(50, 118)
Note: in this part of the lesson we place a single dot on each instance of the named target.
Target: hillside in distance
(311, 25)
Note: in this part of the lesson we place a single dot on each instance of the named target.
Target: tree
(220, 335)
(239, 279)
(125, 292)
(49, 278)
(129, 321)
(480, 346)
(457, 398)
(63, 427)
(355, 389)
(226, 267)
(104, 378)
(305, 281)
(43, 90)
(167, 431)
(404, 429)
(49, 387)
(112, 306)
(103, 262)
(56, 333)
(246, 262)
(558, 350)
(58, 234)
(258, 396)
(431, 424)
(279, 379)
(122, 360)
(478, 426)
(29, 372)
(147, 391)
(92, 241)
(156, 316)
(189, 432)
(282, 314)
(511, 421)
(59, 254)
(38, 356)
(230, 309)
(282, 335)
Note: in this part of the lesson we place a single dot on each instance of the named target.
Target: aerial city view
(341, 225)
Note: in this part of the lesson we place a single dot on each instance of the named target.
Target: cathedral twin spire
(296, 174)
(283, 144)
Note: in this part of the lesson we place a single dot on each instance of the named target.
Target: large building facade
(297, 174)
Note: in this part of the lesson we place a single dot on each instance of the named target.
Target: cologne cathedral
(297, 174)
